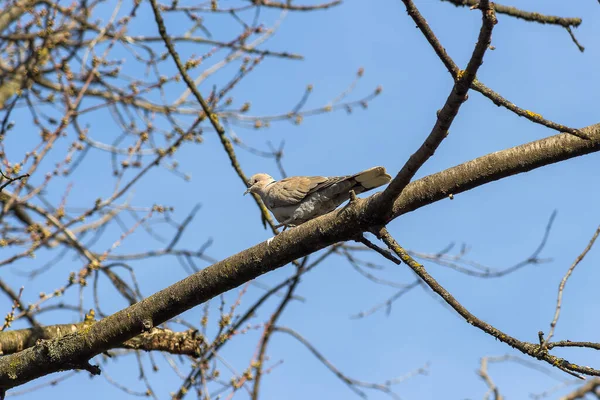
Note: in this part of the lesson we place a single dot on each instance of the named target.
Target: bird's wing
(291, 191)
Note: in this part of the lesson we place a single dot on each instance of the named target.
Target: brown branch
(13, 13)
(589, 388)
(498, 100)
(446, 116)
(483, 373)
(353, 384)
(292, 7)
(157, 339)
(563, 282)
(19, 304)
(528, 363)
(11, 180)
(196, 373)
(17, 209)
(530, 349)
(524, 15)
(388, 303)
(482, 271)
(568, 343)
(116, 96)
(232, 46)
(67, 352)
(268, 332)
(213, 118)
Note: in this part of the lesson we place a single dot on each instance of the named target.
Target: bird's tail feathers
(373, 177)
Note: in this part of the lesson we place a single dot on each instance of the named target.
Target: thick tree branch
(70, 351)
(15, 11)
(157, 339)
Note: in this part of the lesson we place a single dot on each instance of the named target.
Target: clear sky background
(535, 66)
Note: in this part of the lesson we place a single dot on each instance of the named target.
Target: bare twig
(477, 85)
(533, 350)
(11, 180)
(446, 115)
(492, 388)
(352, 383)
(563, 282)
(524, 15)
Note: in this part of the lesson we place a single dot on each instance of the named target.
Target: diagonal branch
(498, 100)
(446, 115)
(73, 351)
(563, 282)
(10, 180)
(530, 349)
(213, 118)
(352, 383)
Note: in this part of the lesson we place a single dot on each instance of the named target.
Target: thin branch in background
(492, 388)
(590, 387)
(293, 7)
(122, 387)
(354, 384)
(214, 120)
(550, 391)
(49, 383)
(276, 154)
(10, 317)
(268, 332)
(530, 349)
(472, 268)
(530, 364)
(16, 298)
(11, 180)
(563, 282)
(388, 303)
(182, 226)
(237, 323)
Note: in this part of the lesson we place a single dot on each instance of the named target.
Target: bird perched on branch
(297, 199)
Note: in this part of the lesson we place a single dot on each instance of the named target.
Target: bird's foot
(284, 225)
(353, 197)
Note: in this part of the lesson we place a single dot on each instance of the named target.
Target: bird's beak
(247, 191)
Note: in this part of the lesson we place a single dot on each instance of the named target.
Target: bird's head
(257, 183)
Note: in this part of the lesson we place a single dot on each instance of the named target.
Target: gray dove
(297, 199)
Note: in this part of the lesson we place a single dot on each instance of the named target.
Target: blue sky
(535, 66)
